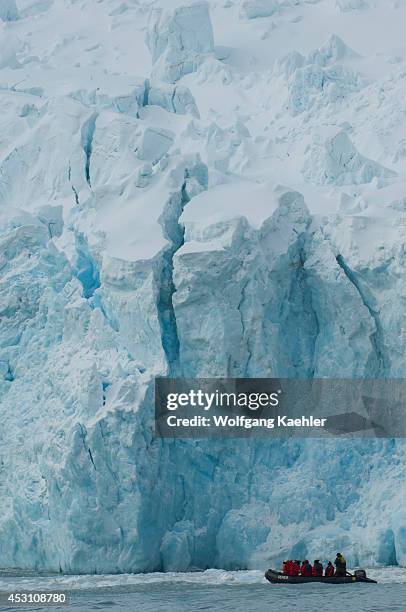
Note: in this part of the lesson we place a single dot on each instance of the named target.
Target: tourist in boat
(329, 569)
(296, 568)
(306, 569)
(341, 565)
(317, 569)
(285, 567)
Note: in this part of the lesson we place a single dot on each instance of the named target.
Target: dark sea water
(212, 590)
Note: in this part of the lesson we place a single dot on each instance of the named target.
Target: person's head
(316, 561)
(329, 563)
(339, 555)
(297, 561)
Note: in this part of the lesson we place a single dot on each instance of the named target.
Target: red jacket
(329, 570)
(295, 569)
(317, 569)
(285, 567)
(306, 569)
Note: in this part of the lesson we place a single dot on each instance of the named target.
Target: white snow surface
(226, 200)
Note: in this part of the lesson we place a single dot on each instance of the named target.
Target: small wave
(391, 575)
(388, 575)
(84, 582)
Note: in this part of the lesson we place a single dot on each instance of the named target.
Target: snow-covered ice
(179, 38)
(201, 189)
(251, 9)
(8, 10)
(337, 161)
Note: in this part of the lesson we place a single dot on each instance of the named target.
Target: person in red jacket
(306, 569)
(285, 567)
(295, 568)
(329, 569)
(290, 568)
(317, 569)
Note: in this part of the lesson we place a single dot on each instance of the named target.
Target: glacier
(9, 11)
(179, 38)
(201, 189)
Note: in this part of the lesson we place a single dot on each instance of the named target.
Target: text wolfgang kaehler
(253, 401)
(243, 421)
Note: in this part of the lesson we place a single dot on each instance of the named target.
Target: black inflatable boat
(281, 578)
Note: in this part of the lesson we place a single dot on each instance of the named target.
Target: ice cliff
(201, 189)
(8, 10)
(178, 39)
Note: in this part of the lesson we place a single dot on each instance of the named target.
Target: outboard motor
(360, 573)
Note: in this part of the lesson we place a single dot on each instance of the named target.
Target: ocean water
(211, 590)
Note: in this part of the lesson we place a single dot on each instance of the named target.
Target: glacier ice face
(10, 45)
(179, 39)
(9, 10)
(251, 9)
(321, 78)
(351, 5)
(333, 50)
(173, 98)
(287, 64)
(337, 161)
(313, 85)
(194, 228)
(155, 143)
